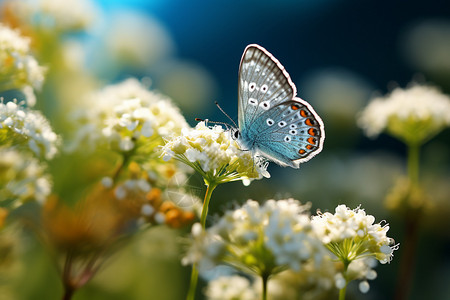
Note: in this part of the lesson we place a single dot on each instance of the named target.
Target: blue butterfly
(273, 122)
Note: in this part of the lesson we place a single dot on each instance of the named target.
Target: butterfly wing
(289, 133)
(272, 121)
(263, 82)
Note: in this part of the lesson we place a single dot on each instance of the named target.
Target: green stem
(193, 284)
(342, 291)
(69, 288)
(412, 226)
(265, 280)
(210, 186)
(209, 190)
(413, 163)
(123, 164)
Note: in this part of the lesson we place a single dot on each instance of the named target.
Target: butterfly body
(273, 122)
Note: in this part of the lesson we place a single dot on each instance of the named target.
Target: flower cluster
(22, 178)
(259, 240)
(356, 232)
(18, 69)
(125, 116)
(414, 115)
(214, 154)
(356, 241)
(19, 126)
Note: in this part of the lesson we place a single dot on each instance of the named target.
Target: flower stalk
(412, 225)
(342, 291)
(210, 186)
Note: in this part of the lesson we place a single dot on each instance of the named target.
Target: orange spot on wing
(303, 113)
(309, 147)
(301, 151)
(311, 140)
(295, 107)
(309, 122)
(312, 131)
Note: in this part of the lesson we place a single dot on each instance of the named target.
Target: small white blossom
(22, 178)
(30, 126)
(414, 114)
(356, 228)
(364, 286)
(18, 69)
(231, 288)
(214, 154)
(340, 281)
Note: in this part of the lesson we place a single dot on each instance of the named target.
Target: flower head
(22, 178)
(126, 117)
(214, 154)
(22, 126)
(260, 240)
(356, 241)
(18, 69)
(414, 115)
(352, 234)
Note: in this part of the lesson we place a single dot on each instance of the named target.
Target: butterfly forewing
(263, 83)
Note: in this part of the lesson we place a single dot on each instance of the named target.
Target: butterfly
(273, 122)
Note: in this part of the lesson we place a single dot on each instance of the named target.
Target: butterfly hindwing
(273, 122)
(290, 133)
(263, 82)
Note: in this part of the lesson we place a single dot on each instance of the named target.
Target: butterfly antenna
(218, 106)
(228, 126)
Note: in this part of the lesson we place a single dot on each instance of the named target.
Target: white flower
(352, 234)
(205, 250)
(22, 178)
(231, 288)
(314, 281)
(31, 126)
(276, 235)
(364, 286)
(125, 116)
(414, 114)
(214, 154)
(18, 69)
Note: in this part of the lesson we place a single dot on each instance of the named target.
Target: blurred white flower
(315, 281)
(22, 178)
(214, 154)
(20, 125)
(206, 249)
(414, 114)
(130, 40)
(18, 69)
(55, 15)
(258, 239)
(352, 234)
(124, 115)
(231, 288)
